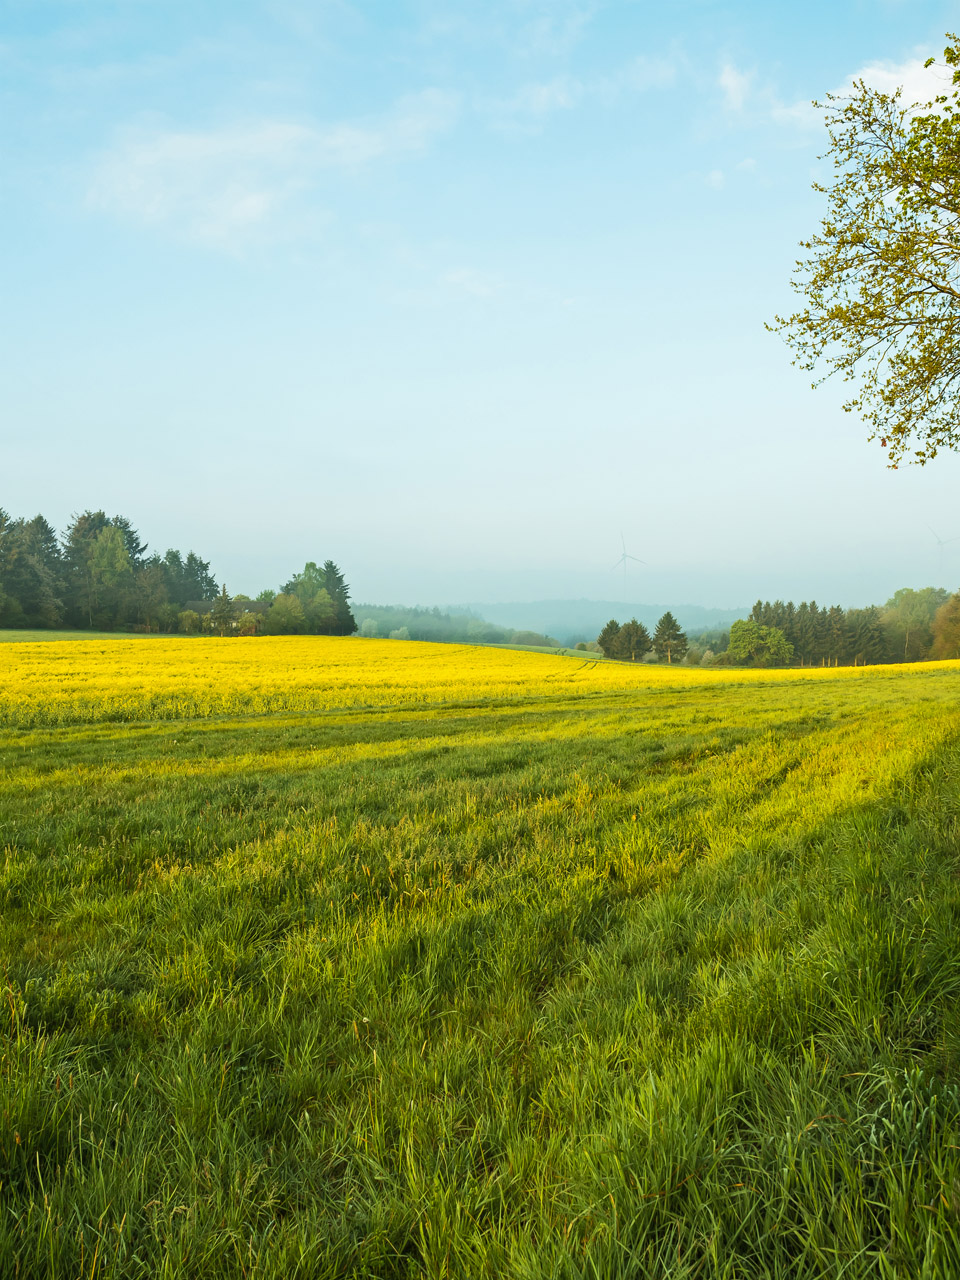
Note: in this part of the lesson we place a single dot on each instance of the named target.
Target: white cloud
(918, 84)
(223, 186)
(735, 85)
(715, 179)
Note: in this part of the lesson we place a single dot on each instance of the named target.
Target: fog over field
(457, 294)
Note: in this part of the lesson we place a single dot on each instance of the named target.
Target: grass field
(330, 958)
(45, 636)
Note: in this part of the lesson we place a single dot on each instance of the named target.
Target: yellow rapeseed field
(173, 678)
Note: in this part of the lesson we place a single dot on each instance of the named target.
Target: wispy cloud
(531, 106)
(735, 85)
(527, 28)
(478, 284)
(527, 110)
(222, 186)
(557, 26)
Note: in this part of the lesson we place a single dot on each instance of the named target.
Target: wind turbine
(941, 543)
(623, 561)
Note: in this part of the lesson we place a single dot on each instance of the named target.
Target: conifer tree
(609, 639)
(633, 642)
(224, 612)
(668, 640)
(344, 622)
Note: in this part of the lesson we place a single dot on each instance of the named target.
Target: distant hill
(571, 621)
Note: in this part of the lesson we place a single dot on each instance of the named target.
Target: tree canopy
(880, 280)
(756, 645)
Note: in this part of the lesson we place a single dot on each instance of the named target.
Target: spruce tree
(609, 639)
(668, 640)
(634, 641)
(224, 612)
(344, 623)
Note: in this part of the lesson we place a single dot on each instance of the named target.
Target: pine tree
(668, 640)
(131, 539)
(344, 622)
(32, 573)
(634, 641)
(609, 639)
(835, 635)
(224, 612)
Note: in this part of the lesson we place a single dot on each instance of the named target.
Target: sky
(458, 293)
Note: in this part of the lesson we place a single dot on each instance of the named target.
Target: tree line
(97, 575)
(401, 622)
(913, 626)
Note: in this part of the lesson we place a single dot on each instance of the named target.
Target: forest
(97, 575)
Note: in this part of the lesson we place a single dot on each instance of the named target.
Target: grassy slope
(648, 982)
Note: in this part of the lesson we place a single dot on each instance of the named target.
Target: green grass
(26, 636)
(650, 984)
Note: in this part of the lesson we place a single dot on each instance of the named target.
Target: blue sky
(454, 293)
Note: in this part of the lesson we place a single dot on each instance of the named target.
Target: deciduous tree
(879, 280)
(753, 644)
(946, 629)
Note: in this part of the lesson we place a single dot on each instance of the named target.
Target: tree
(78, 545)
(879, 280)
(150, 593)
(608, 638)
(110, 572)
(198, 581)
(31, 571)
(946, 629)
(752, 644)
(320, 612)
(285, 616)
(131, 539)
(668, 640)
(224, 613)
(305, 585)
(908, 618)
(344, 622)
(324, 597)
(866, 640)
(633, 641)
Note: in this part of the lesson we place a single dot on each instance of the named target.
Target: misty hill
(571, 621)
